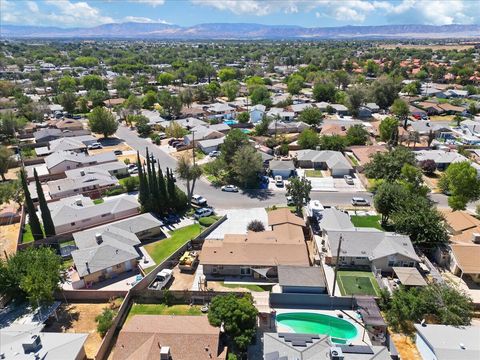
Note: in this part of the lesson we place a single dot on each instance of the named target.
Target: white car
(214, 153)
(358, 201)
(162, 279)
(203, 212)
(199, 200)
(229, 188)
(279, 181)
(94, 146)
(348, 179)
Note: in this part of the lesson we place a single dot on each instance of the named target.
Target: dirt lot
(405, 347)
(80, 318)
(12, 173)
(121, 146)
(8, 239)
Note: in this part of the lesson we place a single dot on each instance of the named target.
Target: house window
(391, 263)
(118, 266)
(103, 215)
(245, 271)
(411, 264)
(72, 223)
(68, 167)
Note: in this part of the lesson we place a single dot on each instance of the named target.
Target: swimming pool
(229, 122)
(311, 323)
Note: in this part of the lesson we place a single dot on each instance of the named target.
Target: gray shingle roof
(79, 158)
(282, 165)
(334, 219)
(305, 276)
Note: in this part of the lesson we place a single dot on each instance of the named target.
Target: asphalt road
(246, 199)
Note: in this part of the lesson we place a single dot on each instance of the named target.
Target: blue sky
(308, 13)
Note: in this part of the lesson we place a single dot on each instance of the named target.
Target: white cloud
(141, 19)
(153, 3)
(33, 7)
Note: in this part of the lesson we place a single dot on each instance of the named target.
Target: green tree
(102, 121)
(311, 115)
(149, 99)
(295, 84)
(97, 97)
(260, 95)
(165, 79)
(213, 90)
(461, 181)
(93, 82)
(308, 139)
(299, 190)
(384, 91)
(104, 321)
(261, 129)
(387, 128)
(133, 104)
(190, 174)
(35, 226)
(357, 135)
(9, 123)
(67, 84)
(355, 98)
(141, 123)
(20, 276)
(227, 74)
(419, 220)
(83, 105)
(234, 140)
(122, 85)
(68, 100)
(332, 142)
(11, 191)
(5, 160)
(324, 91)
(175, 130)
(247, 164)
(230, 89)
(186, 97)
(400, 110)
(238, 316)
(388, 165)
(243, 117)
(389, 198)
(48, 225)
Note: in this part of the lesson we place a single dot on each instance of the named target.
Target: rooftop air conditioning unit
(336, 353)
(476, 238)
(98, 238)
(165, 353)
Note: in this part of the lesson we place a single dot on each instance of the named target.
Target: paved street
(246, 199)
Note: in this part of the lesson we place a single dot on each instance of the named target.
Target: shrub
(131, 183)
(207, 221)
(116, 191)
(104, 321)
(428, 166)
(256, 225)
(127, 161)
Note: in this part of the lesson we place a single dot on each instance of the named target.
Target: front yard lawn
(370, 221)
(162, 249)
(357, 283)
(313, 173)
(162, 309)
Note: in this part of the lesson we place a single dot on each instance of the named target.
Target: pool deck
(355, 341)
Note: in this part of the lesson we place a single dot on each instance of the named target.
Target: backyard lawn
(251, 287)
(27, 234)
(357, 283)
(162, 249)
(313, 173)
(162, 309)
(371, 221)
(98, 201)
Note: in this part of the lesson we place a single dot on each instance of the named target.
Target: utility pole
(336, 264)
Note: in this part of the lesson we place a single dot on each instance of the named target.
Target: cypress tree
(142, 187)
(162, 190)
(48, 225)
(32, 214)
(172, 196)
(154, 189)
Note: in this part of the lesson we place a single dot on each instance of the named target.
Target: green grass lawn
(162, 309)
(313, 173)
(27, 234)
(371, 221)
(357, 283)
(162, 249)
(354, 160)
(254, 288)
(98, 201)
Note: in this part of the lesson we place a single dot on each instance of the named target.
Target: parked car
(199, 200)
(348, 179)
(229, 188)
(94, 146)
(214, 153)
(359, 201)
(162, 279)
(170, 219)
(162, 135)
(290, 201)
(118, 152)
(203, 212)
(279, 181)
(76, 117)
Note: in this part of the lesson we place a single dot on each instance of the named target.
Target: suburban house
(285, 169)
(286, 346)
(256, 113)
(301, 279)
(441, 158)
(258, 254)
(282, 115)
(334, 161)
(74, 144)
(79, 212)
(447, 342)
(280, 127)
(464, 250)
(28, 341)
(49, 134)
(207, 132)
(69, 124)
(340, 109)
(220, 110)
(187, 123)
(154, 337)
(60, 162)
(363, 154)
(210, 145)
(361, 246)
(90, 182)
(109, 250)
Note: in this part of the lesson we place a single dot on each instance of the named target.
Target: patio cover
(262, 271)
(409, 276)
(368, 308)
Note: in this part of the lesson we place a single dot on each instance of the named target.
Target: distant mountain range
(240, 31)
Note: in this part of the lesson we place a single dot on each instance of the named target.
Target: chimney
(82, 173)
(78, 202)
(165, 353)
(32, 345)
(98, 238)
